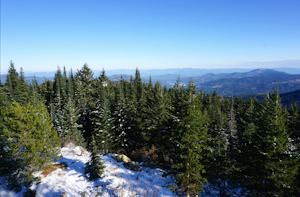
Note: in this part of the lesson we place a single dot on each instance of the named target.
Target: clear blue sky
(39, 35)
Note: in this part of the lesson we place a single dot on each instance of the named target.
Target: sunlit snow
(116, 181)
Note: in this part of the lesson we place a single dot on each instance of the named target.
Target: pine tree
(34, 97)
(232, 126)
(85, 96)
(159, 118)
(247, 120)
(11, 81)
(16, 87)
(47, 92)
(271, 163)
(220, 166)
(69, 127)
(103, 125)
(60, 84)
(95, 167)
(31, 143)
(4, 103)
(57, 107)
(132, 125)
(294, 124)
(119, 117)
(22, 91)
(177, 113)
(193, 148)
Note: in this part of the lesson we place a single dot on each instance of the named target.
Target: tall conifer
(193, 148)
(31, 143)
(271, 163)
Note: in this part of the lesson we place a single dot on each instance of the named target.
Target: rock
(123, 158)
(132, 166)
(63, 194)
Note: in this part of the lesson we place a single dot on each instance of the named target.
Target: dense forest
(199, 138)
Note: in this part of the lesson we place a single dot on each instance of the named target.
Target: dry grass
(54, 167)
(147, 156)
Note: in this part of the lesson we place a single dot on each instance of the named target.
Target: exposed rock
(123, 158)
(63, 194)
(132, 166)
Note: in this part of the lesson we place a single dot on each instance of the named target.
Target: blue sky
(148, 34)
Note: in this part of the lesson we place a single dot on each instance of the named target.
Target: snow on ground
(116, 180)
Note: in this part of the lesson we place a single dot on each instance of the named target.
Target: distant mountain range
(258, 81)
(224, 81)
(29, 79)
(286, 98)
(290, 98)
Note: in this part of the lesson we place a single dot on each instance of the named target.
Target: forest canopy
(200, 138)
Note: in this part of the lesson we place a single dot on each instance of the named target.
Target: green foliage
(16, 87)
(103, 126)
(270, 162)
(30, 143)
(95, 167)
(120, 119)
(85, 84)
(230, 142)
(4, 103)
(69, 126)
(193, 148)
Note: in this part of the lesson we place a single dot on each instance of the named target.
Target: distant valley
(224, 81)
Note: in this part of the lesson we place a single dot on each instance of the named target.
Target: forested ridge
(199, 138)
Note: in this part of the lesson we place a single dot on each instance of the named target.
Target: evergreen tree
(294, 124)
(160, 116)
(16, 87)
(4, 103)
(232, 126)
(57, 107)
(271, 162)
(132, 125)
(71, 84)
(138, 84)
(193, 148)
(220, 166)
(60, 84)
(47, 92)
(35, 97)
(85, 96)
(12, 81)
(95, 167)
(104, 124)
(119, 117)
(22, 91)
(177, 113)
(31, 143)
(247, 119)
(69, 126)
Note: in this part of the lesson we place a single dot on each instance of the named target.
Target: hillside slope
(117, 180)
(259, 84)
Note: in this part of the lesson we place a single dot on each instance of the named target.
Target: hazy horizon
(40, 35)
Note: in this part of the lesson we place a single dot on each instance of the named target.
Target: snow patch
(116, 180)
